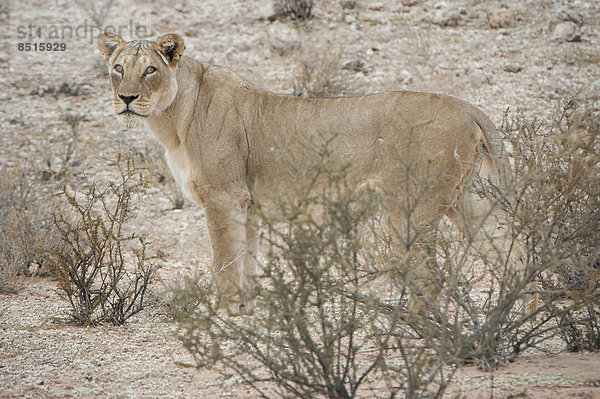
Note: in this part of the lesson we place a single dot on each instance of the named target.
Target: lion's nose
(128, 99)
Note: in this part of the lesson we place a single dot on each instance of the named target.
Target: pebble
(283, 38)
(348, 4)
(376, 7)
(567, 32)
(513, 68)
(446, 16)
(405, 77)
(500, 19)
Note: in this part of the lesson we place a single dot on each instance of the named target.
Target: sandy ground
(496, 54)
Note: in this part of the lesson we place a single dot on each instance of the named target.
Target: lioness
(224, 139)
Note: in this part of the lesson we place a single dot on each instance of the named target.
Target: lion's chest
(179, 165)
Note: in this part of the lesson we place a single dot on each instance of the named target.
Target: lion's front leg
(226, 219)
(250, 275)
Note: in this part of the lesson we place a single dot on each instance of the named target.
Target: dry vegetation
(332, 318)
(297, 10)
(27, 233)
(93, 264)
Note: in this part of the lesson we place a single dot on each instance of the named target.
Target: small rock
(409, 3)
(405, 77)
(40, 382)
(348, 4)
(358, 65)
(376, 7)
(259, 10)
(501, 19)
(282, 38)
(513, 68)
(567, 32)
(192, 32)
(447, 17)
(350, 19)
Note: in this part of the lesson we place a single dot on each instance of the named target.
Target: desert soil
(511, 54)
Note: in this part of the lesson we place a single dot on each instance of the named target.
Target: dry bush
(559, 178)
(297, 10)
(28, 236)
(332, 318)
(27, 233)
(552, 203)
(172, 301)
(328, 321)
(321, 74)
(65, 155)
(98, 11)
(103, 271)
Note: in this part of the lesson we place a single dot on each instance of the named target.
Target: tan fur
(231, 144)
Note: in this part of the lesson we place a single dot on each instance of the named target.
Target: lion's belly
(289, 173)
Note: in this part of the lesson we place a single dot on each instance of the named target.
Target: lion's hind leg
(487, 229)
(414, 246)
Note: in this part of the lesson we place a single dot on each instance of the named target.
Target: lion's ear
(107, 43)
(170, 47)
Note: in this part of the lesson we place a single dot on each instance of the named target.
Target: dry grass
(321, 74)
(27, 234)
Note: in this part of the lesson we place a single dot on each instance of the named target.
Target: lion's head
(142, 73)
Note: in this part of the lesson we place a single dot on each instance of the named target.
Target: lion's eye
(149, 70)
(118, 68)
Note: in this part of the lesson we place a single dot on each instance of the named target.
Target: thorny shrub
(559, 213)
(331, 317)
(321, 326)
(104, 271)
(553, 204)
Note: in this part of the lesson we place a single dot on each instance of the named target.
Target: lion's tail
(493, 146)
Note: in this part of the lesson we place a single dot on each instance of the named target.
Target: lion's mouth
(129, 112)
